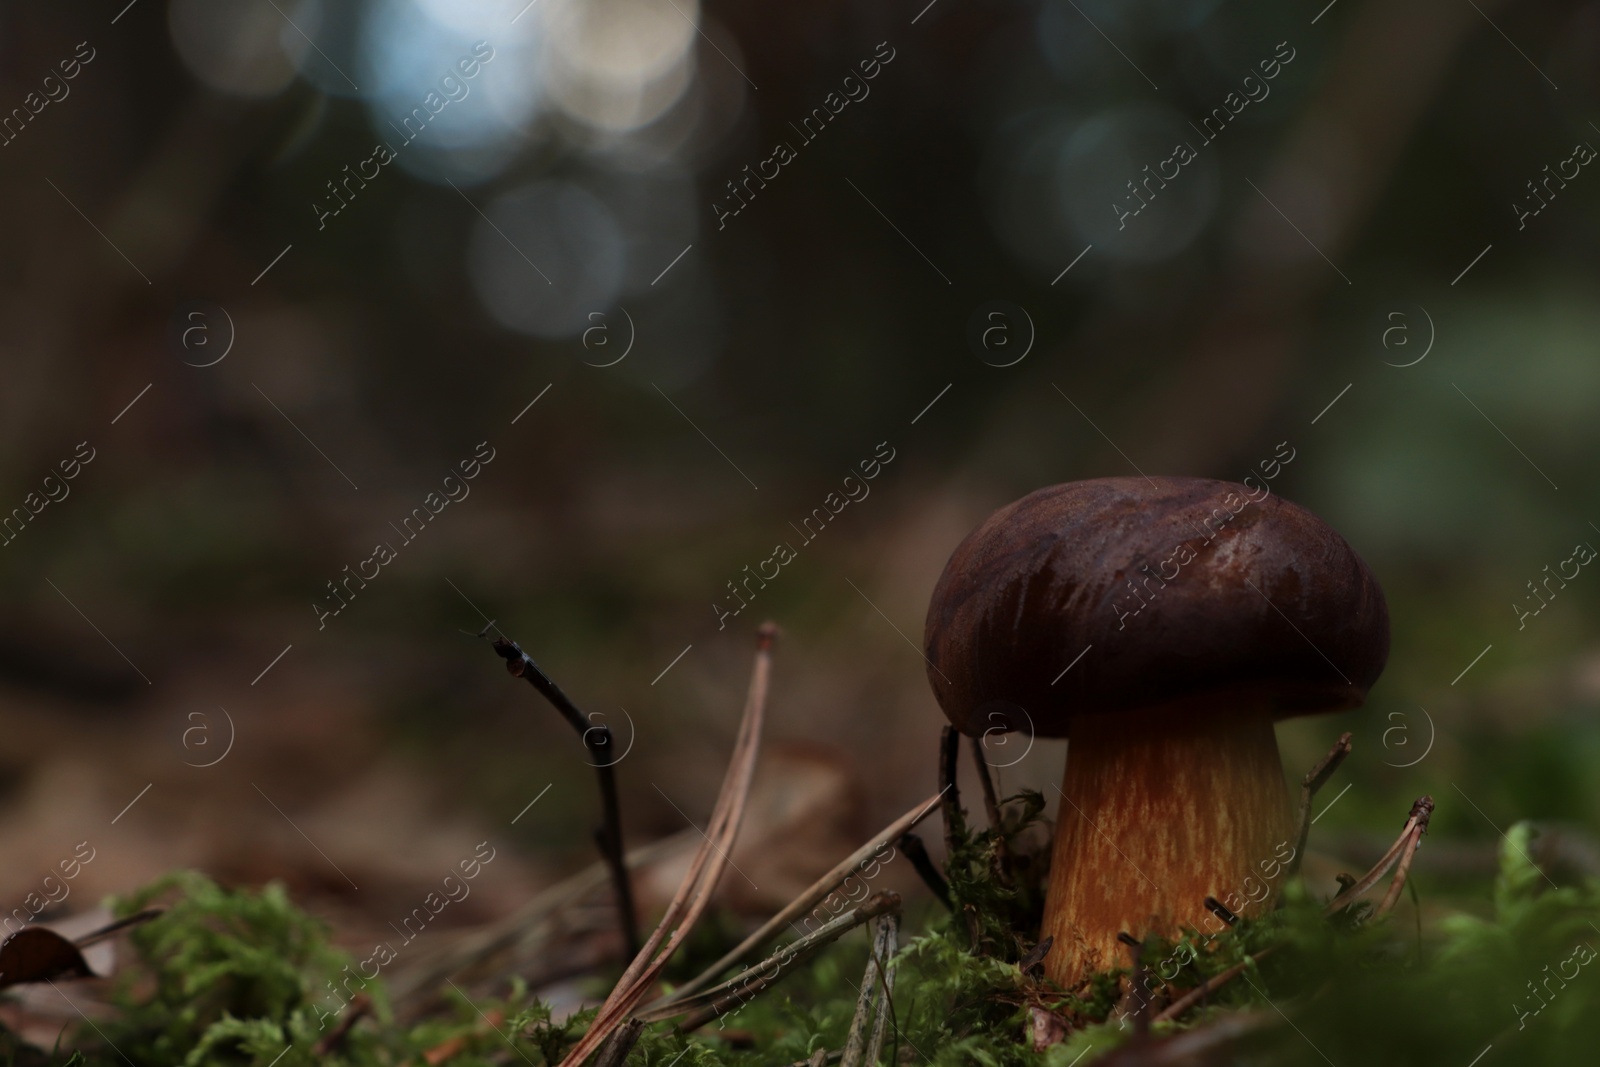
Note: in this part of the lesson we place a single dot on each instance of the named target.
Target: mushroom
(1162, 625)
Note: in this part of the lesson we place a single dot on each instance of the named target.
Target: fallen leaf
(35, 954)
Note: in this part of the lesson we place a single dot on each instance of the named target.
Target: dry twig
(917, 853)
(1217, 908)
(808, 900)
(94, 937)
(1400, 874)
(1406, 844)
(991, 807)
(1216, 981)
(1314, 780)
(886, 969)
(872, 1003)
(523, 935)
(451, 1047)
(598, 740)
(1036, 955)
(360, 1005)
(687, 905)
(711, 1003)
(614, 1053)
(820, 1057)
(991, 804)
(954, 823)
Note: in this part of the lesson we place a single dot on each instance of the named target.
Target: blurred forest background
(1310, 255)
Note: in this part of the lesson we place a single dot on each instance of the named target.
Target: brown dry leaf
(35, 954)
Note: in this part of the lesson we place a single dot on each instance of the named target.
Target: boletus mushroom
(1162, 626)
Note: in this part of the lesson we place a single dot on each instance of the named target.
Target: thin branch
(94, 937)
(991, 804)
(870, 1002)
(1216, 907)
(360, 1006)
(1422, 811)
(991, 807)
(1309, 786)
(614, 1053)
(524, 931)
(954, 823)
(597, 739)
(1036, 955)
(854, 863)
(1416, 826)
(716, 1001)
(705, 869)
(886, 969)
(1210, 985)
(1400, 874)
(917, 853)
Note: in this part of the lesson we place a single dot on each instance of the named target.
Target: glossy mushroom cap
(1179, 588)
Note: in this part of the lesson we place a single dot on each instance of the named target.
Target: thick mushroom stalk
(1161, 625)
(1161, 809)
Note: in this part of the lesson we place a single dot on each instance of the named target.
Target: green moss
(226, 977)
(243, 978)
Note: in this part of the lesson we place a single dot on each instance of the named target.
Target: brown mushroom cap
(1053, 573)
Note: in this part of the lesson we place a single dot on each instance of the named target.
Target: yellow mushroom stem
(1161, 808)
